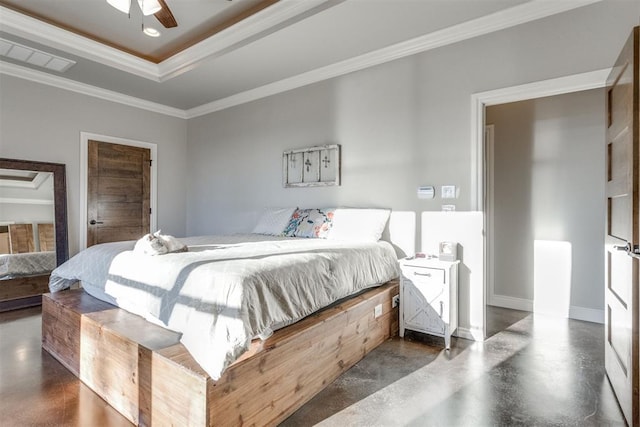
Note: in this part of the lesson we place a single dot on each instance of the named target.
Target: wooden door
(622, 230)
(118, 199)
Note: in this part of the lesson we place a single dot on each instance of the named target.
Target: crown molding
(521, 14)
(266, 21)
(8, 200)
(29, 28)
(25, 73)
(260, 24)
(507, 18)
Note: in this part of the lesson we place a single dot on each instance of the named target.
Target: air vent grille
(34, 56)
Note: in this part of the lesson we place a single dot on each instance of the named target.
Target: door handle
(94, 222)
(626, 247)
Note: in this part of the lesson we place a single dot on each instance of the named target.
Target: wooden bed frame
(22, 292)
(144, 372)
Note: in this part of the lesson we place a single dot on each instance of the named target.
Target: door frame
(84, 172)
(479, 101)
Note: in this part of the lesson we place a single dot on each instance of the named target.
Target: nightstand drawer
(424, 275)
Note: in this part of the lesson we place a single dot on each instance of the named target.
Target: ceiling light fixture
(148, 7)
(151, 32)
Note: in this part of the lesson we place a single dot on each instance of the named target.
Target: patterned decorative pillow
(310, 223)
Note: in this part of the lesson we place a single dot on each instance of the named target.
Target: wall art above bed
(311, 167)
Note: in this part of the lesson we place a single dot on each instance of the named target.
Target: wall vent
(34, 56)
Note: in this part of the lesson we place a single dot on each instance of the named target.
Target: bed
(159, 356)
(25, 264)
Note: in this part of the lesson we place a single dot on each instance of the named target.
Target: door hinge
(149, 211)
(150, 162)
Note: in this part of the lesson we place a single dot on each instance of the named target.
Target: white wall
(43, 123)
(549, 187)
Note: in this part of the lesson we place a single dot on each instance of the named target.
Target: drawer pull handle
(415, 273)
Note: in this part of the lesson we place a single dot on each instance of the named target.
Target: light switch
(448, 192)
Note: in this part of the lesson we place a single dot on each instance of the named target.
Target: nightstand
(429, 297)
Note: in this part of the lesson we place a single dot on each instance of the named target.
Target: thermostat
(426, 192)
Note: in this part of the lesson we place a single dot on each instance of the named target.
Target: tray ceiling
(226, 52)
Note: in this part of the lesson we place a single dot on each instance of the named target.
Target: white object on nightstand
(429, 297)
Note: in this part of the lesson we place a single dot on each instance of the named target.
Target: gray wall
(549, 186)
(43, 123)
(401, 124)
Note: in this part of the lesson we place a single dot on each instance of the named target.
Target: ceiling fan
(157, 8)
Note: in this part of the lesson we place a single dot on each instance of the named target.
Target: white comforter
(226, 290)
(26, 264)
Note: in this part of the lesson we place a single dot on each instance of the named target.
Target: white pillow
(273, 221)
(358, 224)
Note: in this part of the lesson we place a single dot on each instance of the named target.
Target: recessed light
(151, 32)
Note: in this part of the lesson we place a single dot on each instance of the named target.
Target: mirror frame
(59, 198)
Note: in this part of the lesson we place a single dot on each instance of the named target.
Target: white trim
(501, 20)
(260, 24)
(489, 223)
(41, 77)
(266, 20)
(575, 313)
(49, 35)
(32, 29)
(473, 334)
(586, 314)
(513, 303)
(558, 86)
(561, 85)
(84, 167)
(8, 200)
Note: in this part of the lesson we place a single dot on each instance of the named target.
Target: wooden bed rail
(144, 372)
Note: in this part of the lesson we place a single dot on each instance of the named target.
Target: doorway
(545, 162)
(120, 145)
(479, 101)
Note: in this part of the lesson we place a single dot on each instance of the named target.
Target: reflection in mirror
(27, 242)
(33, 229)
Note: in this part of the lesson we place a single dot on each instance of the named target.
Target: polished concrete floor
(531, 371)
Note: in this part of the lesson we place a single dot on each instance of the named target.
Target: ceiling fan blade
(165, 16)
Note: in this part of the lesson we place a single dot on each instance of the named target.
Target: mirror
(33, 226)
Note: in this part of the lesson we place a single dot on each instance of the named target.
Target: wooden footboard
(144, 372)
(22, 291)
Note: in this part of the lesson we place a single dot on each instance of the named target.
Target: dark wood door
(622, 231)
(118, 199)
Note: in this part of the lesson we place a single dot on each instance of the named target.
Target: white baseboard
(575, 312)
(586, 314)
(511, 302)
(473, 334)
